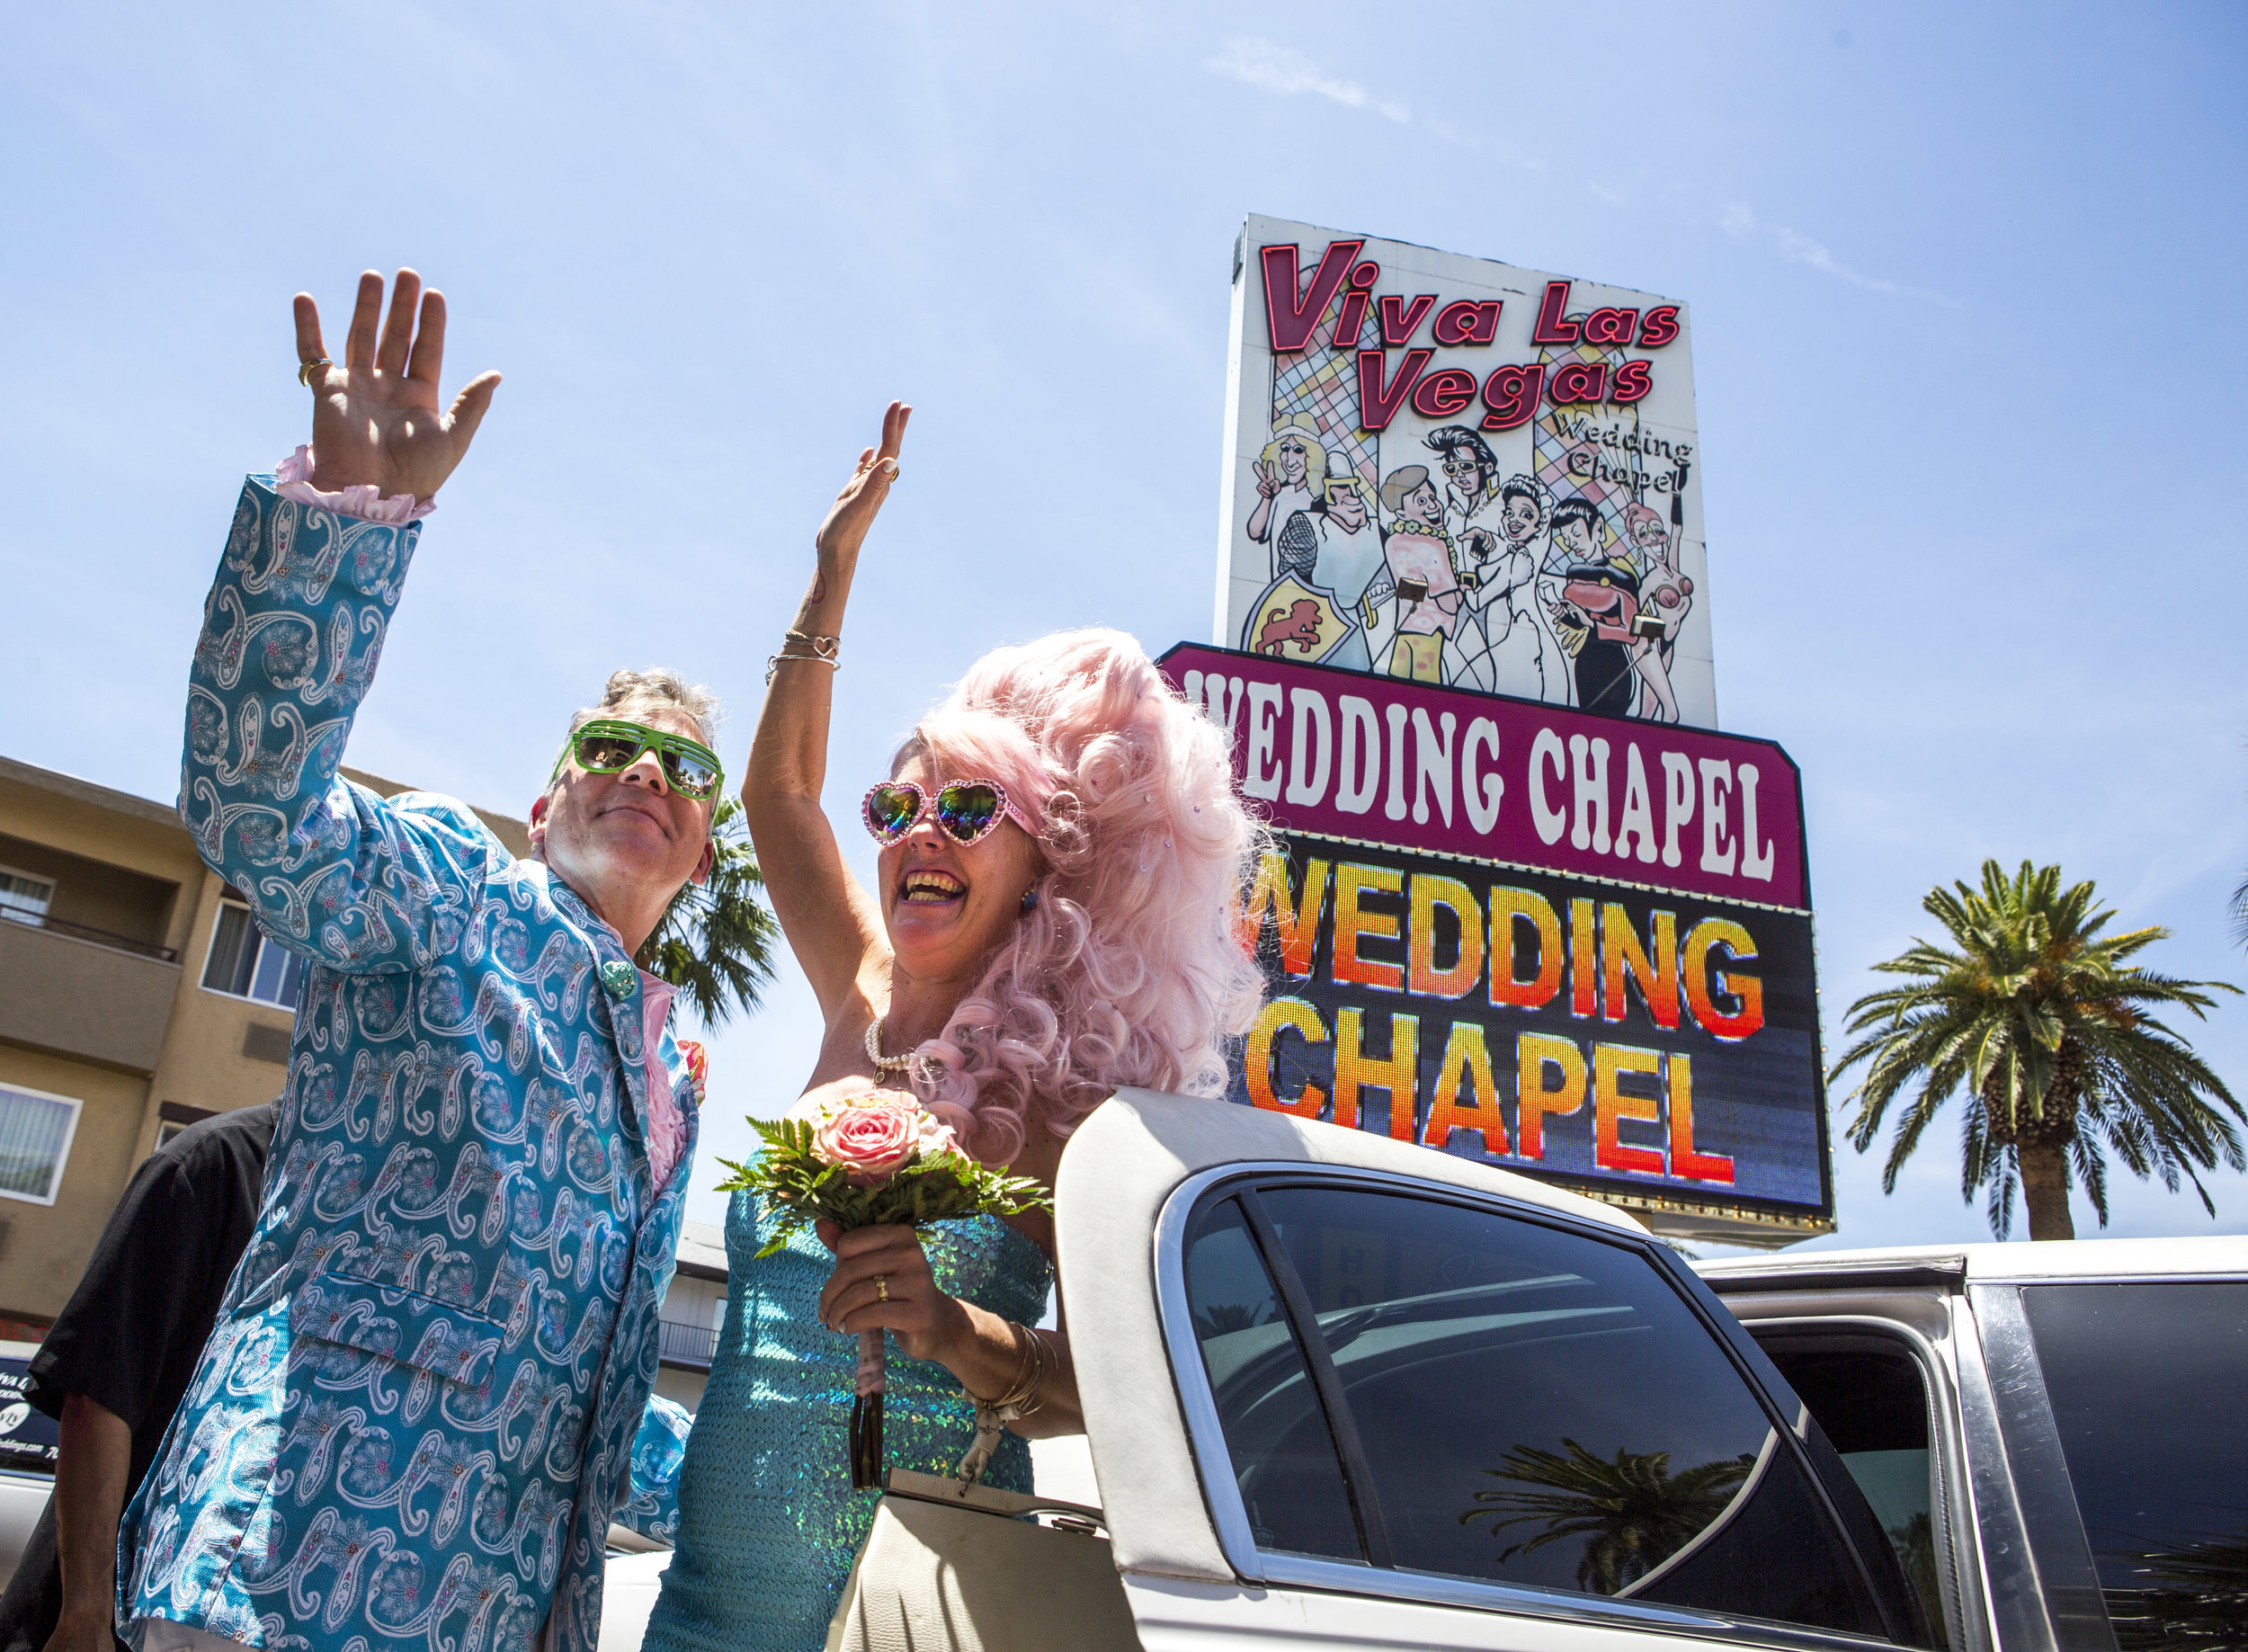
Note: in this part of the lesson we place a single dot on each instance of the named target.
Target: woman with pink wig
(1061, 851)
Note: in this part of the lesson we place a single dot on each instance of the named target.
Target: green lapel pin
(620, 978)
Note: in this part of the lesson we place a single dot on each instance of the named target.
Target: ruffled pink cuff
(666, 1130)
(293, 479)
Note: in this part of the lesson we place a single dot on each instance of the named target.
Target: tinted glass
(967, 810)
(34, 1132)
(280, 974)
(892, 809)
(227, 969)
(2149, 1389)
(1869, 1398)
(1541, 1408)
(1283, 1459)
(688, 773)
(602, 753)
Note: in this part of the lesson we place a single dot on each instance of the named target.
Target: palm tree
(2037, 1016)
(716, 940)
(1635, 1512)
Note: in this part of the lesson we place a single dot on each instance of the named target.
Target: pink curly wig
(1128, 971)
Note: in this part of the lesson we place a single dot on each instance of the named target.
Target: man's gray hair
(631, 693)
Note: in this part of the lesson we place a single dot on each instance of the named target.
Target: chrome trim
(1206, 1436)
(2011, 1594)
(2021, 1422)
(1600, 1611)
(1221, 1494)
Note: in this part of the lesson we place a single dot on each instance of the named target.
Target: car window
(2146, 1384)
(29, 1439)
(1283, 1460)
(1868, 1395)
(1530, 1406)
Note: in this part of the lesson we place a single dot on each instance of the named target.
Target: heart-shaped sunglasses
(970, 810)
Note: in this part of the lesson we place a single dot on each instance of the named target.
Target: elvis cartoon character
(1471, 506)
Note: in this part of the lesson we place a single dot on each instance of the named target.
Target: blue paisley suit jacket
(422, 1401)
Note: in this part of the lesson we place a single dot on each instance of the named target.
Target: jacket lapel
(614, 1008)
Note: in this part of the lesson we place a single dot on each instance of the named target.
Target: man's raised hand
(375, 415)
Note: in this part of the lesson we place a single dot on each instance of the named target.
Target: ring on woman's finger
(881, 1288)
(304, 369)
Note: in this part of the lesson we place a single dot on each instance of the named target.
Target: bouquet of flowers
(860, 1160)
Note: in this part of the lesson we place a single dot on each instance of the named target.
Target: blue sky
(1962, 283)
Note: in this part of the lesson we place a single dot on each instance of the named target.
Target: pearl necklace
(885, 1067)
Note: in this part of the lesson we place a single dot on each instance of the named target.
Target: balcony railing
(691, 1345)
(87, 932)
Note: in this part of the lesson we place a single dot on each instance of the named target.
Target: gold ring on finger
(881, 1288)
(304, 369)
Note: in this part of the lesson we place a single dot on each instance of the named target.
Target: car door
(1345, 1392)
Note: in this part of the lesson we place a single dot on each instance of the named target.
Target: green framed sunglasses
(691, 768)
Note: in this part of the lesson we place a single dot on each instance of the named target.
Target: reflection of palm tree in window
(2195, 1595)
(1916, 1545)
(1634, 1511)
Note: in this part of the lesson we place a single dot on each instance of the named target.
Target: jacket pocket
(442, 1338)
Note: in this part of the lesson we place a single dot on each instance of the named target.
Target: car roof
(2209, 1256)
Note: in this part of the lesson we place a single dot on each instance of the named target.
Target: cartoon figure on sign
(1666, 596)
(1594, 609)
(1527, 658)
(1298, 625)
(1314, 515)
(1423, 592)
(1471, 500)
(1291, 486)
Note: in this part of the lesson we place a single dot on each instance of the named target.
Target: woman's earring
(1030, 901)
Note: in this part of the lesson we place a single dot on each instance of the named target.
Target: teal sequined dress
(768, 1522)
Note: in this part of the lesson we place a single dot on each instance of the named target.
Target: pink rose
(870, 1136)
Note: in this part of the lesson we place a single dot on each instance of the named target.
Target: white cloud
(1284, 70)
(1740, 222)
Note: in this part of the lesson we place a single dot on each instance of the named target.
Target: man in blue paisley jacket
(421, 1404)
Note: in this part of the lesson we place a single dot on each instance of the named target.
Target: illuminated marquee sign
(1570, 945)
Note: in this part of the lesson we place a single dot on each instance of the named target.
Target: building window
(25, 897)
(35, 1131)
(247, 963)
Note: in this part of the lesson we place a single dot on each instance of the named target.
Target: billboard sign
(1461, 472)
(1573, 945)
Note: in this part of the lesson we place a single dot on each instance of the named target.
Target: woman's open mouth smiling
(926, 884)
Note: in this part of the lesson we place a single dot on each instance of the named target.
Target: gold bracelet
(1030, 1370)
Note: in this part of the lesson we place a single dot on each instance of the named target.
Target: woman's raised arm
(832, 923)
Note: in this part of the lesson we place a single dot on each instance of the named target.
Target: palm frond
(2034, 1016)
(717, 940)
